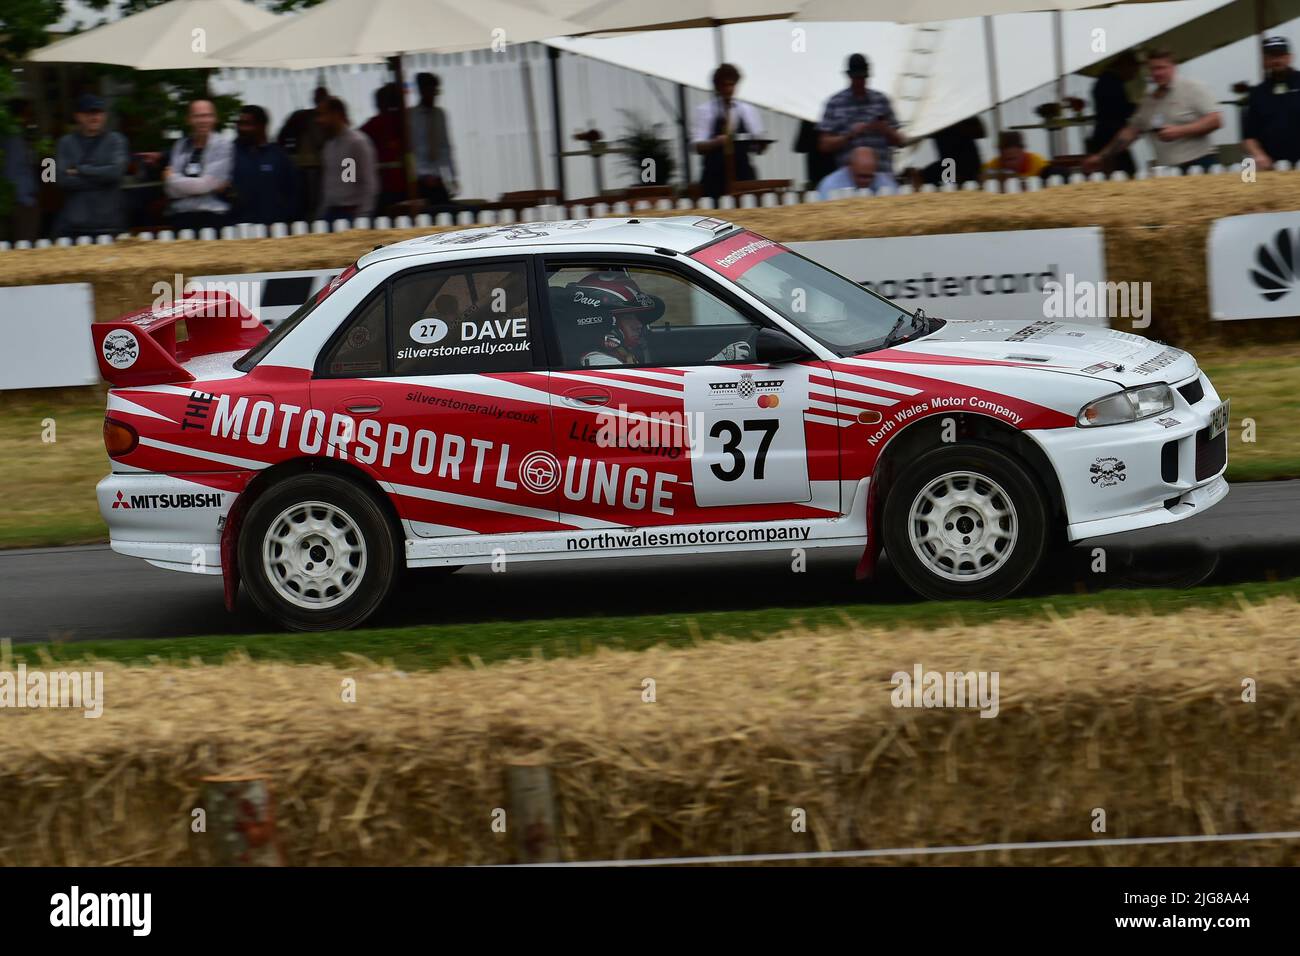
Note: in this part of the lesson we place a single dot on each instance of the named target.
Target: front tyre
(965, 521)
(318, 553)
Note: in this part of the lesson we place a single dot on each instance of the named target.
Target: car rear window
(248, 361)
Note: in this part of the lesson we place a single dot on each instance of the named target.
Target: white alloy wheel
(962, 526)
(314, 555)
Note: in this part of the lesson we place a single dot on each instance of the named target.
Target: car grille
(1193, 391)
(1211, 455)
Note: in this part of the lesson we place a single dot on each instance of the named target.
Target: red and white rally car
(624, 387)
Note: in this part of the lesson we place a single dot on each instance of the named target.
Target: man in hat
(859, 116)
(89, 167)
(1271, 130)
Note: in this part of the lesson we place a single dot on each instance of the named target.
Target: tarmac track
(85, 593)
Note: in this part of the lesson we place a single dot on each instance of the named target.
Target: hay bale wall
(1155, 231)
(1140, 716)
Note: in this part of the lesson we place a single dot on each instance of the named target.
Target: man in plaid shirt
(859, 117)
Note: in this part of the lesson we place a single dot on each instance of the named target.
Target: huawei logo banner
(1276, 261)
(1254, 266)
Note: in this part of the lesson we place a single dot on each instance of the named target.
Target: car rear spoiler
(140, 348)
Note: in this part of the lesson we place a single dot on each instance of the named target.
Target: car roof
(678, 233)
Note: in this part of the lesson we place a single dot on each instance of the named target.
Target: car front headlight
(1130, 405)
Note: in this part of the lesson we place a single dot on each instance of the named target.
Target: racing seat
(575, 340)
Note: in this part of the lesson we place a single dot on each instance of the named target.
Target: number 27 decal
(731, 446)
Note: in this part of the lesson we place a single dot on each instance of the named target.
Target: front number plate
(1218, 421)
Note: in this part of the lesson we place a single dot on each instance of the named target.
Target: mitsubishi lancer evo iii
(624, 387)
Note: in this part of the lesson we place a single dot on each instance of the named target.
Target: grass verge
(434, 646)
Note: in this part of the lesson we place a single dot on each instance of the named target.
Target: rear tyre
(965, 521)
(318, 553)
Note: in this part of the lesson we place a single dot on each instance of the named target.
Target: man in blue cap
(89, 167)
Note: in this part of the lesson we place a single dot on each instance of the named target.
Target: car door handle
(586, 395)
(361, 405)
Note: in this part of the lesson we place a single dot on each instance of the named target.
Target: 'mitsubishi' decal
(213, 499)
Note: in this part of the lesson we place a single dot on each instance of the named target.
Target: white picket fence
(556, 212)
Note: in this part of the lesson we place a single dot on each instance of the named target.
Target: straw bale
(1139, 715)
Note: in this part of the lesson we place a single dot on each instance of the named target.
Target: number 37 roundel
(748, 434)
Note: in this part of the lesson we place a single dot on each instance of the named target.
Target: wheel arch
(926, 433)
(268, 478)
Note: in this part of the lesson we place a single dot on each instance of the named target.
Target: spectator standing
(726, 133)
(349, 180)
(1112, 109)
(385, 131)
(198, 173)
(958, 153)
(1013, 159)
(301, 137)
(265, 181)
(859, 116)
(1180, 114)
(435, 162)
(1271, 131)
(24, 219)
(90, 165)
(860, 172)
(816, 164)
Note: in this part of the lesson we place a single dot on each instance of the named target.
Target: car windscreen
(249, 359)
(844, 316)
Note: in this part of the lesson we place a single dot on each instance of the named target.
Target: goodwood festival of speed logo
(1275, 272)
(540, 472)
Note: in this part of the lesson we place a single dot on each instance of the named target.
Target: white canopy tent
(795, 72)
(179, 35)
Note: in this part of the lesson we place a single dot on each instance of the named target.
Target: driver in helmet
(625, 311)
(628, 310)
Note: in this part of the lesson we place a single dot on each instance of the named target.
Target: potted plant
(646, 152)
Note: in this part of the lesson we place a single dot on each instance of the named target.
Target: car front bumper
(1125, 477)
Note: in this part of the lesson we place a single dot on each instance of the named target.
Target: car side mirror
(775, 347)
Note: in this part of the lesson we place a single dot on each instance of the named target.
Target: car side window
(613, 314)
(362, 349)
(461, 319)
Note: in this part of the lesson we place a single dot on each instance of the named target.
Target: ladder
(912, 84)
